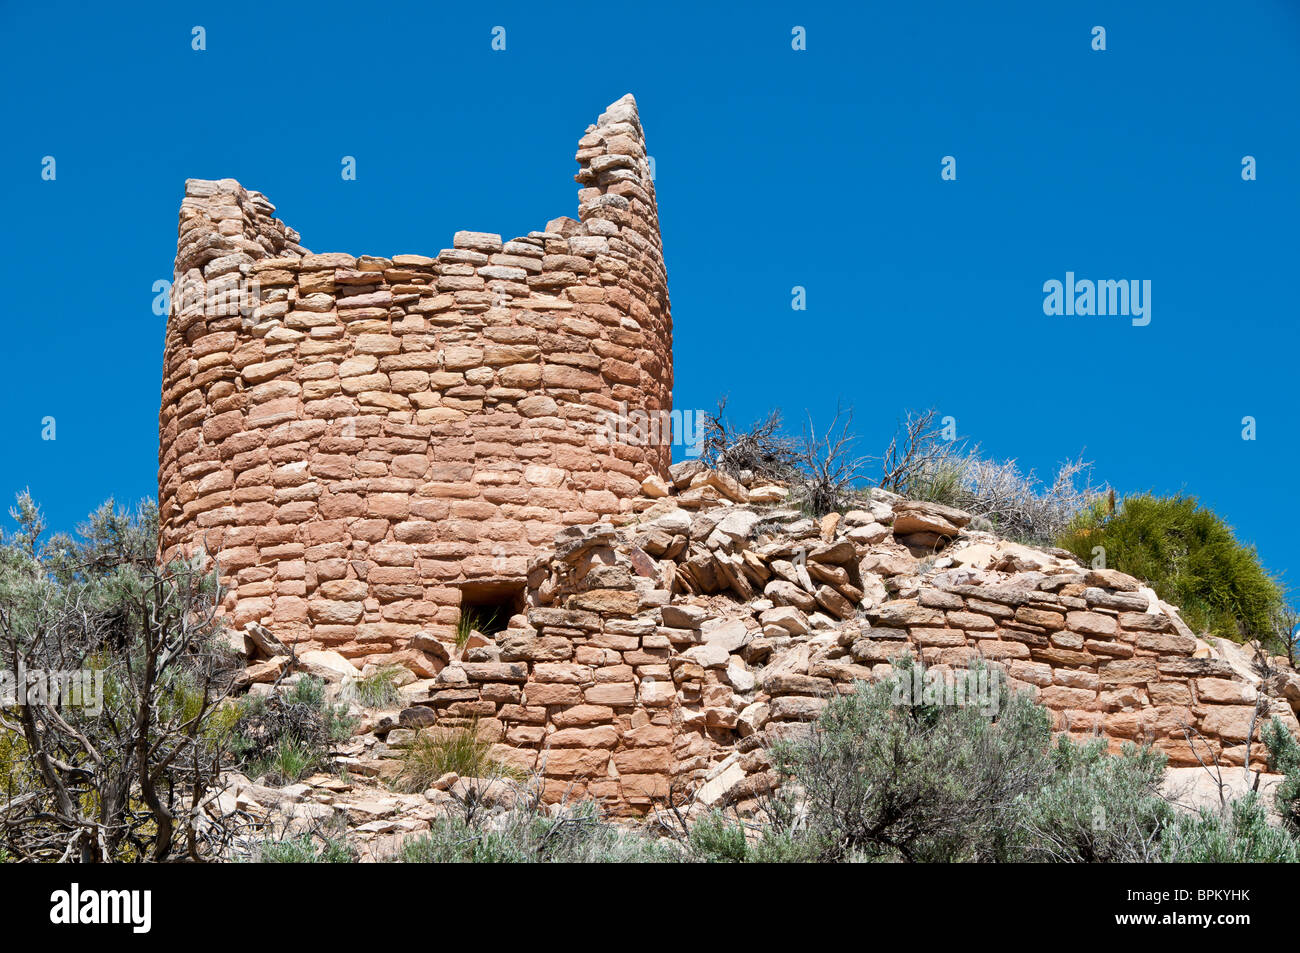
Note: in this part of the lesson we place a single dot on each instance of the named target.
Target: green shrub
(883, 776)
(307, 849)
(100, 782)
(377, 690)
(289, 761)
(1188, 555)
(1284, 758)
(1243, 836)
(888, 775)
(287, 735)
(461, 752)
(1095, 807)
(576, 834)
(940, 482)
(714, 840)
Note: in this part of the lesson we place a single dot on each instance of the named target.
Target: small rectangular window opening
(487, 606)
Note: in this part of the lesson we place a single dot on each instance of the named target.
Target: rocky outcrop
(368, 447)
(660, 659)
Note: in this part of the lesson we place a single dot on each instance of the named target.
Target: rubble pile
(660, 659)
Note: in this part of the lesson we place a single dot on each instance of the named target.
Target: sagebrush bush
(716, 839)
(1017, 505)
(109, 772)
(1241, 835)
(927, 461)
(887, 775)
(1188, 555)
(307, 849)
(1095, 807)
(574, 834)
(1284, 758)
(881, 778)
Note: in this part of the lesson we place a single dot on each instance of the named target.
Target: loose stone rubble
(366, 446)
(659, 660)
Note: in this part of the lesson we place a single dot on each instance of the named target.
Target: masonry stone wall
(365, 445)
(356, 440)
(660, 661)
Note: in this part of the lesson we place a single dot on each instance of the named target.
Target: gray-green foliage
(1284, 758)
(527, 834)
(883, 780)
(1240, 835)
(717, 839)
(307, 849)
(287, 734)
(887, 775)
(116, 781)
(1095, 807)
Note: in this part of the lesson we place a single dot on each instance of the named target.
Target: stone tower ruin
(366, 445)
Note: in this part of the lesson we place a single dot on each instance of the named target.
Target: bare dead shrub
(922, 464)
(761, 450)
(1019, 505)
(831, 471)
(919, 463)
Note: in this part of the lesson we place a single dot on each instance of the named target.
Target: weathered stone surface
(384, 427)
(920, 517)
(383, 451)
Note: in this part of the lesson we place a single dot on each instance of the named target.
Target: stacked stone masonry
(659, 660)
(356, 439)
(363, 444)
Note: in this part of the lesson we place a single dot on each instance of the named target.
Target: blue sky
(775, 168)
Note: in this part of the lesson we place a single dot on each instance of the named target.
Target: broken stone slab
(707, 656)
(738, 523)
(729, 636)
(682, 473)
(767, 494)
(788, 618)
(740, 677)
(327, 665)
(836, 554)
(263, 673)
(720, 780)
(429, 642)
(654, 487)
(1111, 579)
(263, 641)
(683, 616)
(673, 522)
(785, 593)
(914, 517)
